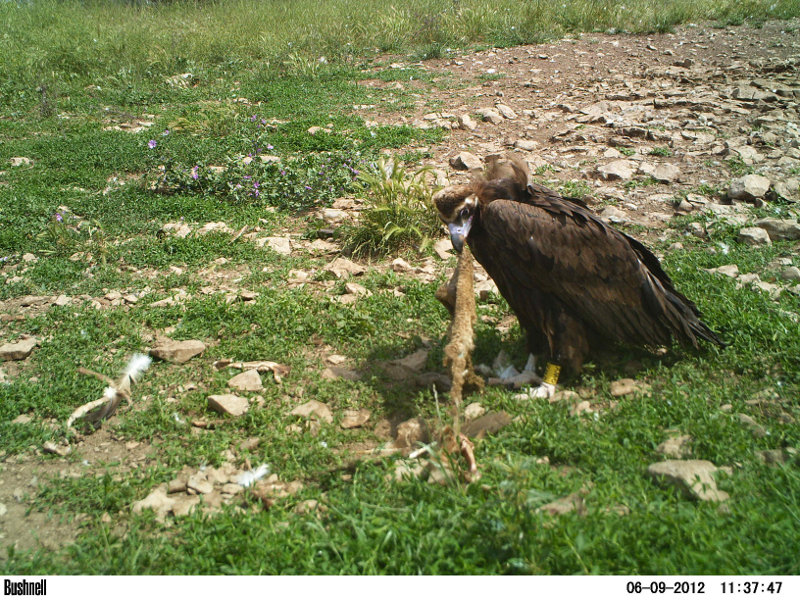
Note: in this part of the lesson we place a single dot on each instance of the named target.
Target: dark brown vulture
(574, 282)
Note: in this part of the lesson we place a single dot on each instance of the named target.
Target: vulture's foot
(545, 390)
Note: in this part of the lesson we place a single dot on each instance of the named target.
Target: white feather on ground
(248, 478)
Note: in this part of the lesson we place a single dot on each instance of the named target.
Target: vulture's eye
(464, 213)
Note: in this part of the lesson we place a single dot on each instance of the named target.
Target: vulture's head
(457, 205)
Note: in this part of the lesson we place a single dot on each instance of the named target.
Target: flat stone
(626, 387)
(20, 161)
(780, 229)
(217, 227)
(666, 173)
(754, 236)
(466, 161)
(790, 274)
(199, 485)
(694, 478)
(281, 245)
(248, 381)
(675, 447)
(562, 506)
(727, 270)
(313, 408)
(342, 267)
(156, 500)
(506, 111)
(19, 350)
(748, 188)
(228, 404)
(527, 145)
(749, 422)
(177, 352)
(355, 418)
(618, 169)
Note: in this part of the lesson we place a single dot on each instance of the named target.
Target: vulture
(574, 282)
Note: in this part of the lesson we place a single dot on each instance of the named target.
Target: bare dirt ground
(644, 126)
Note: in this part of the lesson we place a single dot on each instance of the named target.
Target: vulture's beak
(459, 232)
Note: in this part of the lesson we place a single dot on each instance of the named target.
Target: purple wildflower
(270, 146)
(195, 172)
(152, 144)
(253, 118)
(59, 218)
(166, 132)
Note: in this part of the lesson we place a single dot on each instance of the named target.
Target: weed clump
(398, 214)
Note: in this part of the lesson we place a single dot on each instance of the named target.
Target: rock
(342, 267)
(790, 274)
(467, 122)
(228, 404)
(491, 115)
(20, 161)
(22, 419)
(727, 270)
(750, 188)
(19, 350)
(401, 266)
(562, 506)
(356, 289)
(218, 227)
(178, 229)
(337, 372)
(626, 387)
(749, 422)
(780, 229)
(199, 485)
(466, 161)
(618, 169)
(666, 173)
(281, 245)
(410, 432)
(584, 406)
(754, 236)
(156, 500)
(59, 449)
(613, 215)
(675, 447)
(506, 111)
(487, 424)
(177, 352)
(443, 248)
(774, 457)
(788, 190)
(527, 145)
(692, 477)
(248, 381)
(355, 418)
(407, 469)
(313, 408)
(474, 411)
(334, 216)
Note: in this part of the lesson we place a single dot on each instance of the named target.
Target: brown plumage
(574, 282)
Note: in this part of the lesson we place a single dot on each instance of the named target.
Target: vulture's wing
(609, 280)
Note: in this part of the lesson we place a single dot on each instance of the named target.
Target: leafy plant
(398, 213)
(661, 151)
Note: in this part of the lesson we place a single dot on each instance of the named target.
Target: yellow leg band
(551, 373)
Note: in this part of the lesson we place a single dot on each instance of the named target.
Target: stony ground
(642, 126)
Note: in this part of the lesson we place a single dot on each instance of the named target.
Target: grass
(91, 208)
